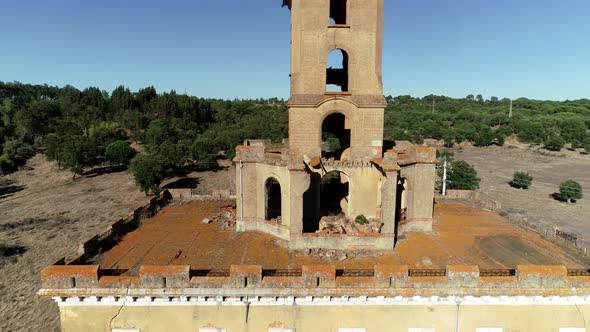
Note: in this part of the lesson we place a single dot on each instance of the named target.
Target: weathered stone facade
(285, 190)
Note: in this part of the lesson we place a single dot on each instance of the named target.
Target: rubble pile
(227, 218)
(328, 254)
(278, 220)
(340, 224)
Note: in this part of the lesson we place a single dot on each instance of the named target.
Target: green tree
(461, 175)
(105, 133)
(554, 143)
(54, 148)
(92, 96)
(522, 180)
(172, 154)
(203, 150)
(531, 132)
(122, 99)
(158, 132)
(145, 96)
(484, 137)
(119, 152)
(570, 190)
(75, 155)
(148, 172)
(573, 130)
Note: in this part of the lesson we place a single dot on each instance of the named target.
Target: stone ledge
(318, 279)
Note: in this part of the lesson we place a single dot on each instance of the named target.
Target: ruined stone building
(337, 98)
(160, 270)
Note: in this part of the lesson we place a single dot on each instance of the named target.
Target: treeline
(85, 128)
(484, 122)
(76, 127)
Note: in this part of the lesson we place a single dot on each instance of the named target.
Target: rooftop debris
(226, 217)
(341, 224)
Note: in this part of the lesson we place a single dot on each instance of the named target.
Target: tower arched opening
(337, 71)
(338, 11)
(335, 137)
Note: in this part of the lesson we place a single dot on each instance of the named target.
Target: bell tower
(331, 185)
(336, 85)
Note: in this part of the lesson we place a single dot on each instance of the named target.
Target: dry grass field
(496, 166)
(44, 215)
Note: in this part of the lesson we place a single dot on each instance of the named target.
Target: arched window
(273, 200)
(337, 12)
(337, 71)
(335, 137)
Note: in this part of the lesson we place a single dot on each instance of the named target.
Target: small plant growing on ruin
(570, 190)
(361, 220)
(522, 180)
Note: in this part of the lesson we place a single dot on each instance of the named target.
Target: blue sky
(240, 49)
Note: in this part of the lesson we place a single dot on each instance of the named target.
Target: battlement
(411, 155)
(263, 151)
(316, 280)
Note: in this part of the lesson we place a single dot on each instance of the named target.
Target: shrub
(485, 137)
(416, 137)
(6, 164)
(522, 180)
(554, 143)
(500, 138)
(332, 141)
(119, 152)
(461, 175)
(17, 149)
(361, 220)
(570, 190)
(449, 140)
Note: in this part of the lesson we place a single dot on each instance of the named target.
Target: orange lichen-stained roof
(462, 236)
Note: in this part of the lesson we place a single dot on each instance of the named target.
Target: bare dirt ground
(496, 166)
(44, 215)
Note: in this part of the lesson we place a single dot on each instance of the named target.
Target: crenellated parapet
(264, 152)
(320, 280)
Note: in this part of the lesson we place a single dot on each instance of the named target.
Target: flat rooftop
(462, 235)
